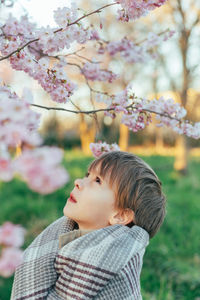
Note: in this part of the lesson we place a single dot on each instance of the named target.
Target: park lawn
(171, 268)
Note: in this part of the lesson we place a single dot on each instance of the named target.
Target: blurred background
(172, 261)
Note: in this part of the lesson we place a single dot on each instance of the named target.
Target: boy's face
(95, 202)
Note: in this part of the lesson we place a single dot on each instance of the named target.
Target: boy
(95, 251)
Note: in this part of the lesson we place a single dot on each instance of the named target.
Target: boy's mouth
(72, 199)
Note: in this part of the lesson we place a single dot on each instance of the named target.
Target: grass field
(171, 267)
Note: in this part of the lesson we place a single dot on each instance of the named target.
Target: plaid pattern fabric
(101, 264)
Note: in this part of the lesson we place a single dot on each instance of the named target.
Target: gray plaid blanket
(103, 264)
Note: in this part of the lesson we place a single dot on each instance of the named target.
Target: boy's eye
(98, 180)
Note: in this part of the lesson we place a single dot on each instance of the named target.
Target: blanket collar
(72, 235)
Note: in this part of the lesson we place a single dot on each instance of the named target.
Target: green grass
(171, 268)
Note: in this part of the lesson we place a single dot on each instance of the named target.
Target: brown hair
(136, 187)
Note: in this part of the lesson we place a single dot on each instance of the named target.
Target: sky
(41, 11)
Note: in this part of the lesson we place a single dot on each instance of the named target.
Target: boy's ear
(122, 216)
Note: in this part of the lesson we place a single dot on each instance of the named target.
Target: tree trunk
(123, 137)
(87, 135)
(18, 150)
(181, 159)
(159, 143)
(181, 156)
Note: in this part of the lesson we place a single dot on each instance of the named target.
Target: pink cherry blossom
(11, 235)
(13, 134)
(165, 106)
(18, 122)
(54, 80)
(135, 53)
(80, 34)
(186, 128)
(193, 130)
(6, 169)
(46, 181)
(39, 168)
(99, 148)
(52, 40)
(136, 120)
(10, 259)
(94, 35)
(133, 9)
(93, 72)
(22, 27)
(137, 113)
(6, 47)
(48, 40)
(64, 16)
(11, 238)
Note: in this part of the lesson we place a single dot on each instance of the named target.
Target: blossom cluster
(134, 53)
(134, 9)
(171, 114)
(93, 72)
(49, 40)
(136, 120)
(11, 239)
(99, 148)
(64, 16)
(39, 167)
(137, 113)
(18, 122)
(54, 80)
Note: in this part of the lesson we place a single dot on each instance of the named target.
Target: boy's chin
(66, 212)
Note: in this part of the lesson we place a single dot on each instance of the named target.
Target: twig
(94, 62)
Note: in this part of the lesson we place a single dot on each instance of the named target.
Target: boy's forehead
(98, 170)
(95, 168)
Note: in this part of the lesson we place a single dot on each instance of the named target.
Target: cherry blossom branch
(72, 111)
(74, 64)
(58, 30)
(19, 49)
(93, 90)
(103, 110)
(159, 34)
(93, 12)
(79, 67)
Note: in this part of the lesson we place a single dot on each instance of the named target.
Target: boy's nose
(78, 183)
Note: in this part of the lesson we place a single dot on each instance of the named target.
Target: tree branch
(103, 110)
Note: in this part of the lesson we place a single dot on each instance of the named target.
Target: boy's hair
(136, 187)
